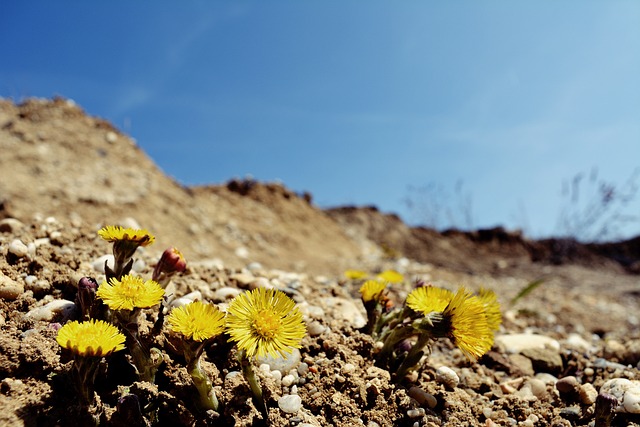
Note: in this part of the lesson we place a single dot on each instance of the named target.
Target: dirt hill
(57, 161)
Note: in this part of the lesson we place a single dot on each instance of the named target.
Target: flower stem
(414, 356)
(397, 334)
(208, 399)
(251, 378)
(85, 369)
(145, 361)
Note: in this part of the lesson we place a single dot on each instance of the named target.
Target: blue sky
(356, 102)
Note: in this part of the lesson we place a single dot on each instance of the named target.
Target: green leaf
(527, 290)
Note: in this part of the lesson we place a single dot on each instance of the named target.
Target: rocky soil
(64, 174)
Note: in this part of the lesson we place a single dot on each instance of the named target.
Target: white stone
(17, 248)
(344, 309)
(98, 264)
(287, 380)
(111, 137)
(348, 368)
(626, 391)
(242, 252)
(315, 328)
(276, 375)
(57, 308)
(186, 299)
(447, 376)
(290, 403)
(575, 341)
(282, 364)
(226, 293)
(516, 343)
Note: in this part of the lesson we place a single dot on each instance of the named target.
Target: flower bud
(172, 261)
(86, 295)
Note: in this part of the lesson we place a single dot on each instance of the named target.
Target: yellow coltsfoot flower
(94, 338)
(129, 293)
(428, 299)
(89, 342)
(468, 327)
(197, 321)
(265, 322)
(116, 233)
(491, 308)
(355, 274)
(125, 243)
(391, 276)
(372, 290)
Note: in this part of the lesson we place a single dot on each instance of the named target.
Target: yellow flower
(130, 292)
(115, 233)
(265, 322)
(428, 299)
(469, 329)
(355, 274)
(92, 338)
(197, 321)
(391, 276)
(372, 289)
(491, 308)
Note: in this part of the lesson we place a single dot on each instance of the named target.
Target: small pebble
(588, 394)
(315, 328)
(290, 403)
(348, 368)
(226, 293)
(416, 413)
(303, 369)
(39, 286)
(447, 376)
(9, 288)
(287, 380)
(567, 384)
(538, 387)
(276, 375)
(111, 137)
(422, 397)
(17, 248)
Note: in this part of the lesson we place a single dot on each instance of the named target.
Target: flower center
(266, 323)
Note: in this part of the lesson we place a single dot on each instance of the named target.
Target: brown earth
(63, 175)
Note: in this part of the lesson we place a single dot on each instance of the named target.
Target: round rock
(626, 391)
(283, 364)
(9, 288)
(447, 376)
(17, 248)
(290, 403)
(58, 308)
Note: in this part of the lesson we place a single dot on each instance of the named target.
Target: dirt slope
(58, 161)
